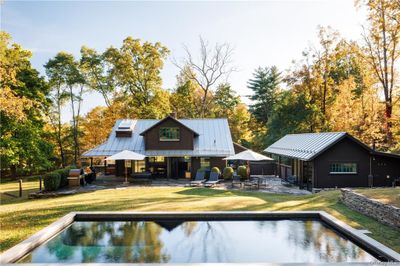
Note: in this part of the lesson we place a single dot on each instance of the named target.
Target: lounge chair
(213, 180)
(199, 179)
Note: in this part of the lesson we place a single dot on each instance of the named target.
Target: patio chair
(236, 180)
(199, 179)
(252, 183)
(213, 180)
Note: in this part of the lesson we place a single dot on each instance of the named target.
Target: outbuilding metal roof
(304, 146)
(214, 139)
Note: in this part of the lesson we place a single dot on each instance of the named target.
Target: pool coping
(20, 250)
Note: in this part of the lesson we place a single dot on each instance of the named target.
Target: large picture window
(343, 168)
(169, 134)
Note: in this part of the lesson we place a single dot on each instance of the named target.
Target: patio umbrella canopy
(126, 155)
(248, 155)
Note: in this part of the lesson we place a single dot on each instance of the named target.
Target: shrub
(228, 173)
(51, 181)
(242, 171)
(215, 170)
(63, 176)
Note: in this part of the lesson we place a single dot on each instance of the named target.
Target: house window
(139, 166)
(157, 159)
(343, 168)
(169, 134)
(205, 163)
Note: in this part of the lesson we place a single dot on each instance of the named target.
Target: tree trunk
(59, 140)
(13, 171)
(74, 130)
(388, 123)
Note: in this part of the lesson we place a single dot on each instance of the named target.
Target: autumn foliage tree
(23, 102)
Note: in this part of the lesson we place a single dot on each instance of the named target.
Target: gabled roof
(305, 146)
(214, 140)
(169, 118)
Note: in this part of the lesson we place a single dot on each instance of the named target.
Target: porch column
(279, 166)
(169, 170)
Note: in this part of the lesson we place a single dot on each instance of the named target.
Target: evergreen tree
(265, 86)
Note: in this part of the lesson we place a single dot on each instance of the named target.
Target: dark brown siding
(385, 169)
(344, 151)
(263, 168)
(238, 148)
(152, 139)
(218, 162)
(195, 165)
(214, 162)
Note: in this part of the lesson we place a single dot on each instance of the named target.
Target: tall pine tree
(265, 85)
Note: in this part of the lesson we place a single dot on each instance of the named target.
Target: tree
(136, 67)
(67, 81)
(96, 126)
(225, 100)
(97, 72)
(265, 86)
(184, 98)
(294, 110)
(23, 102)
(381, 38)
(213, 65)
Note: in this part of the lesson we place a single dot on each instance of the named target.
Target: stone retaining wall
(384, 213)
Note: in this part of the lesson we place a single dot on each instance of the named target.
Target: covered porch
(156, 166)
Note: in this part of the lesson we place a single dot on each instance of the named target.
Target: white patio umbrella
(126, 155)
(248, 155)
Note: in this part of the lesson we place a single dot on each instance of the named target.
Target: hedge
(52, 181)
(64, 176)
(228, 173)
(56, 179)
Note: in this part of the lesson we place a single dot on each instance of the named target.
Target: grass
(385, 195)
(20, 217)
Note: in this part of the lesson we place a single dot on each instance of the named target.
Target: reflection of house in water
(169, 224)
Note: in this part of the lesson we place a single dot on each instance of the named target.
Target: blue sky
(263, 33)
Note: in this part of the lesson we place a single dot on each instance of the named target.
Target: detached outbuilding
(333, 159)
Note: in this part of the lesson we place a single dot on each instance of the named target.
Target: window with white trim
(343, 168)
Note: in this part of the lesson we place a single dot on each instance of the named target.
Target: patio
(271, 185)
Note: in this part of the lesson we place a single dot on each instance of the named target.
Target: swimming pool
(222, 237)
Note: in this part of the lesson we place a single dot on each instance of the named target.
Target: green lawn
(385, 195)
(20, 217)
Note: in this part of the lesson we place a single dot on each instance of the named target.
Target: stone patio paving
(273, 185)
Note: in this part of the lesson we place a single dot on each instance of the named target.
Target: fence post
(40, 183)
(20, 188)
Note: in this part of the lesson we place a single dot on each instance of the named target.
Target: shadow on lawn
(187, 199)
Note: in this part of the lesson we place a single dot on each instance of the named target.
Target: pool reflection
(196, 242)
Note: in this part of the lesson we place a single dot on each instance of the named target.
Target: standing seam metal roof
(214, 139)
(304, 146)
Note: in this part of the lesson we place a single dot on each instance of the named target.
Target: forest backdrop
(336, 85)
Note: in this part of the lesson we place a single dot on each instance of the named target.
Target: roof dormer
(124, 129)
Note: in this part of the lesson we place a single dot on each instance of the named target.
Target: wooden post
(40, 183)
(91, 161)
(20, 188)
(105, 166)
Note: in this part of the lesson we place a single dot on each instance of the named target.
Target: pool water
(275, 241)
